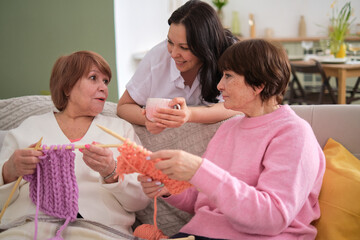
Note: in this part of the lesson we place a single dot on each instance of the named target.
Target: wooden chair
(301, 94)
(353, 91)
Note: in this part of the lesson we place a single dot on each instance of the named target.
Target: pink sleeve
(184, 201)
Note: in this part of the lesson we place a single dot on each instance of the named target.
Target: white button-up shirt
(157, 76)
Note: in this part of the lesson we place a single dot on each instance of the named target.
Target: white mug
(154, 103)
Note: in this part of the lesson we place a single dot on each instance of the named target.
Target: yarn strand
(37, 203)
(150, 232)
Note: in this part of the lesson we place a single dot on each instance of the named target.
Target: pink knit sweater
(260, 179)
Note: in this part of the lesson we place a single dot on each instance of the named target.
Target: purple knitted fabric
(53, 188)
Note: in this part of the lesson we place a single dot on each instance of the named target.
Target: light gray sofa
(341, 122)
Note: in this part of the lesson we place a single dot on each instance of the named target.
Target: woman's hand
(152, 126)
(177, 164)
(99, 159)
(22, 162)
(172, 118)
(152, 188)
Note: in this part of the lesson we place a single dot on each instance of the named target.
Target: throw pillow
(340, 195)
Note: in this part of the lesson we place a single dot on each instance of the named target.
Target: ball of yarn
(149, 232)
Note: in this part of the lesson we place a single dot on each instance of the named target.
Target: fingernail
(149, 180)
(81, 150)
(87, 145)
(162, 185)
(147, 158)
(94, 142)
(158, 183)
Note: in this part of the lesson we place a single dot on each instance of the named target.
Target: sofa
(339, 122)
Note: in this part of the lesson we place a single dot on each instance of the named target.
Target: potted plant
(339, 27)
(219, 5)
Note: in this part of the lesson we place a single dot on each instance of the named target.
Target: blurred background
(35, 33)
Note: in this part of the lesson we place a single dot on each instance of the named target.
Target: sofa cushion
(340, 194)
(13, 111)
(337, 121)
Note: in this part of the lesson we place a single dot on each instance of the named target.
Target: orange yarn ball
(149, 232)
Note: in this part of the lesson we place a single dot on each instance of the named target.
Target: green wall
(34, 33)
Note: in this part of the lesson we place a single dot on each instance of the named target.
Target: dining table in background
(342, 72)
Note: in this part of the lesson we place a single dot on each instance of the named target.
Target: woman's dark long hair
(207, 40)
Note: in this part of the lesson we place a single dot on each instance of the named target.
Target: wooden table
(342, 72)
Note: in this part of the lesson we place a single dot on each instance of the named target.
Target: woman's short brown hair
(67, 70)
(261, 63)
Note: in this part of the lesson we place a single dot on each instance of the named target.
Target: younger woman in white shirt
(183, 68)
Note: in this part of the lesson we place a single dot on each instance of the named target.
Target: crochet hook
(37, 145)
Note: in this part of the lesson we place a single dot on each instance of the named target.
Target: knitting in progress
(133, 159)
(53, 187)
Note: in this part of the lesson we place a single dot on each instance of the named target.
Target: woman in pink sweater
(261, 174)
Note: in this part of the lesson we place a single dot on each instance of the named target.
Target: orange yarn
(133, 159)
(148, 231)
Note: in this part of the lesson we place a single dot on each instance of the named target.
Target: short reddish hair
(67, 70)
(261, 63)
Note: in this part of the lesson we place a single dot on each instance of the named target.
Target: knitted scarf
(53, 187)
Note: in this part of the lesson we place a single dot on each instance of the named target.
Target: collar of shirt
(178, 80)
(175, 75)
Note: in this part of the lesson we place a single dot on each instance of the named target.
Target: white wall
(283, 16)
(140, 24)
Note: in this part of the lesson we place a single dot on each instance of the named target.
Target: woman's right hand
(22, 162)
(152, 188)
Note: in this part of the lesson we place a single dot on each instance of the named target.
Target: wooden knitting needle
(80, 146)
(184, 238)
(99, 145)
(38, 144)
(114, 134)
(111, 133)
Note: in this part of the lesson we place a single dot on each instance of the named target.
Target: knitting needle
(80, 146)
(111, 133)
(191, 237)
(99, 145)
(114, 134)
(38, 144)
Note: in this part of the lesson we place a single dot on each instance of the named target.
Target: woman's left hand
(152, 126)
(99, 159)
(177, 164)
(172, 118)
